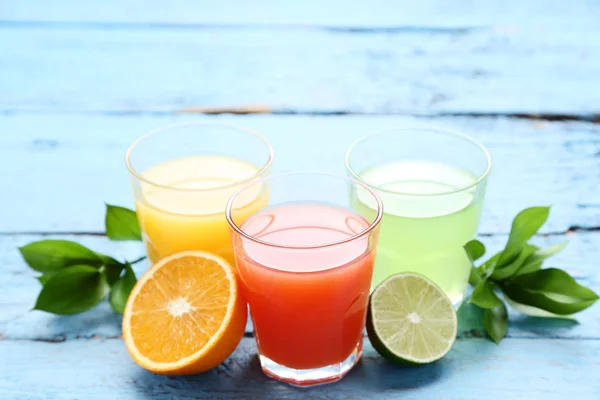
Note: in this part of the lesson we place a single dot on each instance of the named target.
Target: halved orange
(185, 315)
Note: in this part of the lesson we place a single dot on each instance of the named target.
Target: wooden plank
(475, 368)
(19, 290)
(490, 70)
(65, 167)
(376, 13)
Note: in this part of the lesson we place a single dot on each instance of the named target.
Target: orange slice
(186, 315)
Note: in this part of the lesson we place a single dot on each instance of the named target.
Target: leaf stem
(142, 258)
(474, 277)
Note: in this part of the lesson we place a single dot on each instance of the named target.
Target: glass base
(313, 376)
(457, 301)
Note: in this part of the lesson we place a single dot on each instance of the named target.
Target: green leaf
(508, 270)
(524, 226)
(474, 277)
(52, 255)
(488, 267)
(535, 260)
(552, 290)
(535, 312)
(112, 268)
(113, 272)
(121, 289)
(483, 272)
(483, 296)
(554, 281)
(475, 250)
(122, 224)
(495, 321)
(43, 279)
(72, 290)
(545, 303)
(106, 260)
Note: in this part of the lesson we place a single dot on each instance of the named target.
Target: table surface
(80, 80)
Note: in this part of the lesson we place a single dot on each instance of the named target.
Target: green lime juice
(427, 220)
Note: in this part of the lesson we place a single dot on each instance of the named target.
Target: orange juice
(308, 300)
(183, 208)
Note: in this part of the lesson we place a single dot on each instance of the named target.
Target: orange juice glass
(182, 177)
(305, 262)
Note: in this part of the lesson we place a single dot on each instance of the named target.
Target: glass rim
(153, 132)
(448, 132)
(364, 232)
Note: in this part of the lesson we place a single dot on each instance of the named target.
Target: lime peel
(411, 320)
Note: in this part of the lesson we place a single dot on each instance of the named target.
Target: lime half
(411, 320)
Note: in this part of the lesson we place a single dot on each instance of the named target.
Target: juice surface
(174, 220)
(424, 231)
(308, 306)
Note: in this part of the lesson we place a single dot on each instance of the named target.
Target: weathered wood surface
(96, 369)
(489, 69)
(309, 13)
(80, 80)
(75, 163)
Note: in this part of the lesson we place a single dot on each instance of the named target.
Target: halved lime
(411, 320)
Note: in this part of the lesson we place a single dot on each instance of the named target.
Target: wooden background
(81, 80)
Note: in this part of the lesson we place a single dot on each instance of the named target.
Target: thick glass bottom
(313, 376)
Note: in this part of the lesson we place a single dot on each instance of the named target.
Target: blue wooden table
(80, 80)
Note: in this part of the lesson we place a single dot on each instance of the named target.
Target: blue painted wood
(488, 70)
(336, 13)
(96, 61)
(474, 369)
(76, 163)
(20, 289)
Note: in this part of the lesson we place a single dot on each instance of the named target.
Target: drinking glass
(432, 184)
(182, 177)
(305, 264)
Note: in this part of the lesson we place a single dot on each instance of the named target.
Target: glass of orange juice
(182, 176)
(305, 262)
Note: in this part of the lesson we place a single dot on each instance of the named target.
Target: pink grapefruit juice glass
(305, 263)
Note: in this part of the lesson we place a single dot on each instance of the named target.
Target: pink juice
(308, 295)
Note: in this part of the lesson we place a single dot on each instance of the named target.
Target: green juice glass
(432, 184)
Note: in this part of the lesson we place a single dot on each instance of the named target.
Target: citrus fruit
(185, 315)
(411, 320)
